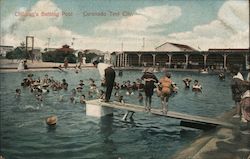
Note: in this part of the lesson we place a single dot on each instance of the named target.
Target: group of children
(196, 87)
(40, 86)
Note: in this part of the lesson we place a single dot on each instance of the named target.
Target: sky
(126, 25)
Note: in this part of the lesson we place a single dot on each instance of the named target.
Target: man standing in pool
(108, 74)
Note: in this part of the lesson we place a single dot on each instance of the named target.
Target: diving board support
(97, 110)
(127, 114)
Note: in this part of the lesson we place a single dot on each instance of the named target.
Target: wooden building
(174, 55)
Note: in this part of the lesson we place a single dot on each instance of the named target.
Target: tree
(22, 44)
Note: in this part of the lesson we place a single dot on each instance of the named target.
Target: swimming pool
(24, 133)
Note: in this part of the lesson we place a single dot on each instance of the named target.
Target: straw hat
(52, 120)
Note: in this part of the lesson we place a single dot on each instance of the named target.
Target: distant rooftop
(6, 46)
(180, 46)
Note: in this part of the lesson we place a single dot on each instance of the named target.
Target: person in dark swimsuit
(149, 79)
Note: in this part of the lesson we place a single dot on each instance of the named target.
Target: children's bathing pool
(24, 133)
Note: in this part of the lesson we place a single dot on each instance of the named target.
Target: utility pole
(122, 47)
(48, 44)
(143, 44)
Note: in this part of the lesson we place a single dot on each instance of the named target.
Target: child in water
(102, 94)
(140, 97)
(18, 93)
(187, 82)
(121, 100)
(82, 99)
(197, 86)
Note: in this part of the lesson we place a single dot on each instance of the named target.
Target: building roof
(180, 46)
(65, 48)
(5, 46)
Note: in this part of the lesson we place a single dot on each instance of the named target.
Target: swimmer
(18, 93)
(25, 82)
(196, 87)
(140, 97)
(116, 94)
(93, 87)
(116, 86)
(82, 99)
(129, 92)
(102, 94)
(64, 84)
(90, 95)
(123, 86)
(120, 73)
(91, 81)
(187, 82)
(134, 86)
(45, 88)
(45, 80)
(76, 69)
(121, 100)
(81, 83)
(79, 88)
(222, 76)
(175, 88)
(39, 97)
(52, 120)
(72, 97)
(140, 85)
(72, 100)
(103, 83)
(128, 85)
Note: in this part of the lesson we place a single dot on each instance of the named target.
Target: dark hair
(234, 69)
(168, 75)
(95, 62)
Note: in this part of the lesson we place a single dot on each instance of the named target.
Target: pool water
(24, 133)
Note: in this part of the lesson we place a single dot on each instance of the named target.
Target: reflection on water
(24, 133)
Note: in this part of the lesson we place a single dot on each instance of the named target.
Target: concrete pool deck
(11, 66)
(219, 143)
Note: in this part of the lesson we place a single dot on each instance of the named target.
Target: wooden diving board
(171, 114)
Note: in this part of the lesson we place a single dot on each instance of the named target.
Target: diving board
(93, 106)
